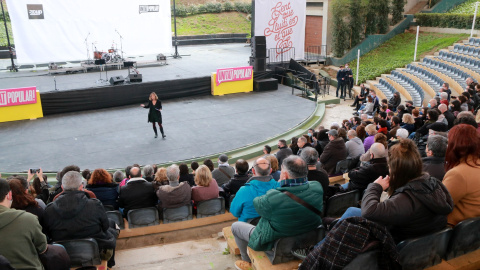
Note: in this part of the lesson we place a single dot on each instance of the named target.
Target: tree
(340, 29)
(382, 15)
(371, 18)
(356, 23)
(397, 11)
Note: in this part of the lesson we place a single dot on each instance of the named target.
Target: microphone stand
(121, 43)
(88, 52)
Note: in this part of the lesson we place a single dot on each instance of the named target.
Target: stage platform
(202, 60)
(117, 137)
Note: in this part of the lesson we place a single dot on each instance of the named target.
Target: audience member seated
(371, 131)
(431, 123)
(361, 177)
(267, 149)
(334, 152)
(382, 126)
(137, 193)
(105, 190)
(57, 189)
(302, 143)
(160, 178)
(194, 165)
(274, 165)
(408, 123)
(238, 180)
(39, 187)
(283, 151)
(310, 156)
(447, 114)
(206, 188)
(175, 194)
(257, 185)
(462, 172)
(281, 216)
(21, 233)
(127, 176)
(401, 134)
(224, 172)
(185, 175)
(322, 141)
(294, 146)
(74, 216)
(395, 125)
(118, 176)
(379, 138)
(148, 173)
(354, 145)
(394, 101)
(434, 162)
(24, 201)
(209, 163)
(418, 203)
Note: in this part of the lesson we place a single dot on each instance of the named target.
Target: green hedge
(188, 10)
(447, 20)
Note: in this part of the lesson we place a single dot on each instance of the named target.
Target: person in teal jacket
(257, 185)
(281, 216)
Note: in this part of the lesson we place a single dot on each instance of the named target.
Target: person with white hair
(175, 194)
(354, 145)
(364, 175)
(401, 134)
(434, 162)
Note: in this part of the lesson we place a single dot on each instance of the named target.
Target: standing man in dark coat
(434, 162)
(348, 82)
(334, 152)
(340, 80)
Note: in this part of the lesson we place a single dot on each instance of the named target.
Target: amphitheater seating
(465, 238)
(282, 249)
(337, 204)
(431, 79)
(211, 207)
(425, 251)
(143, 217)
(117, 217)
(456, 74)
(177, 214)
(108, 208)
(82, 252)
(386, 88)
(474, 42)
(412, 87)
(467, 62)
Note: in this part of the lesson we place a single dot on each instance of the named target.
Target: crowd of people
(416, 169)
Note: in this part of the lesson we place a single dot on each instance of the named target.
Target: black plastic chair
(143, 217)
(282, 249)
(82, 252)
(424, 251)
(211, 207)
(339, 203)
(367, 260)
(182, 213)
(117, 217)
(108, 207)
(342, 166)
(230, 200)
(465, 238)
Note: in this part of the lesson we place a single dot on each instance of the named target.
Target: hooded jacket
(242, 204)
(419, 207)
(334, 152)
(354, 147)
(74, 216)
(21, 239)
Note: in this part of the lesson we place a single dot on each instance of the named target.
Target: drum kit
(112, 56)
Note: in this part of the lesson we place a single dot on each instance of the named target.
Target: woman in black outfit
(154, 114)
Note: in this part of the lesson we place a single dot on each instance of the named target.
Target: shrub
(227, 6)
(397, 11)
(213, 7)
(447, 20)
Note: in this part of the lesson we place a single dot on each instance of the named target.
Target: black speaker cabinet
(265, 85)
(259, 64)
(128, 64)
(260, 40)
(135, 77)
(100, 62)
(117, 80)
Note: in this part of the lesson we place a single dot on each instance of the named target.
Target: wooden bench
(232, 245)
(260, 261)
(469, 261)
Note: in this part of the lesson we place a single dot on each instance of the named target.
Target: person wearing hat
(334, 152)
(224, 172)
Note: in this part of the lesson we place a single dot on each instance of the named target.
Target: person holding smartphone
(154, 114)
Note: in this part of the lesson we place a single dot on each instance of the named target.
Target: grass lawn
(399, 51)
(468, 7)
(213, 23)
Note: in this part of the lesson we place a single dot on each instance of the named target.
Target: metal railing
(280, 55)
(319, 84)
(316, 53)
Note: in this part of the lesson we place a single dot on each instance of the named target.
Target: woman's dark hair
(86, 174)
(342, 133)
(381, 138)
(36, 187)
(21, 199)
(463, 145)
(369, 99)
(405, 164)
(294, 142)
(432, 115)
(456, 105)
(100, 176)
(194, 165)
(207, 162)
(357, 120)
(127, 171)
(183, 169)
(323, 135)
(466, 94)
(462, 99)
(361, 133)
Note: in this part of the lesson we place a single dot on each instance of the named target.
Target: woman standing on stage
(154, 114)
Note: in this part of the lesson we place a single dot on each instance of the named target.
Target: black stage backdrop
(127, 94)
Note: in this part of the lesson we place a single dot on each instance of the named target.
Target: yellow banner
(22, 112)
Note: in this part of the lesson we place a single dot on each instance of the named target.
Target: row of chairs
(411, 86)
(456, 74)
(429, 250)
(386, 88)
(431, 79)
(474, 41)
(467, 50)
(465, 61)
(149, 216)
